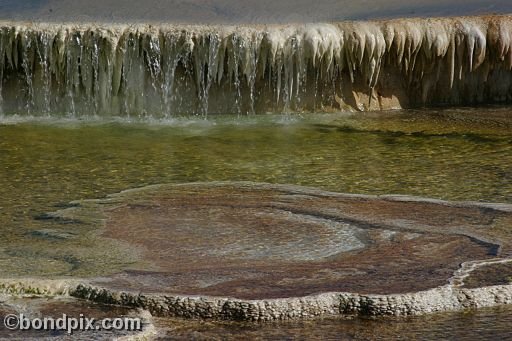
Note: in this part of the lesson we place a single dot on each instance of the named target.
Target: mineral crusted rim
(450, 297)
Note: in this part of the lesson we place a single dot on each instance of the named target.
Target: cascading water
(201, 225)
(164, 70)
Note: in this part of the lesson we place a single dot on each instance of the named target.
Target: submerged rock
(52, 234)
(260, 241)
(164, 69)
(252, 251)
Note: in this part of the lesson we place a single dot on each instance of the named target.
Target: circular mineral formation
(254, 251)
(260, 241)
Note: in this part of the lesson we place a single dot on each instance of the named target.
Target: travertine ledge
(441, 299)
(446, 298)
(163, 69)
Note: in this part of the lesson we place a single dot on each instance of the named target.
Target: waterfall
(161, 70)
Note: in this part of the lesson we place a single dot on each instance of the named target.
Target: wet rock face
(161, 70)
(255, 241)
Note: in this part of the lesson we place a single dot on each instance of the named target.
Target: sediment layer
(163, 70)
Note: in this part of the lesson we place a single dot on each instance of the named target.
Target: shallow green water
(463, 154)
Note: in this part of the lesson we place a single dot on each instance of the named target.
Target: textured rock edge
(450, 297)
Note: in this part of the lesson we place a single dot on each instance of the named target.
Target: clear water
(44, 164)
(454, 154)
